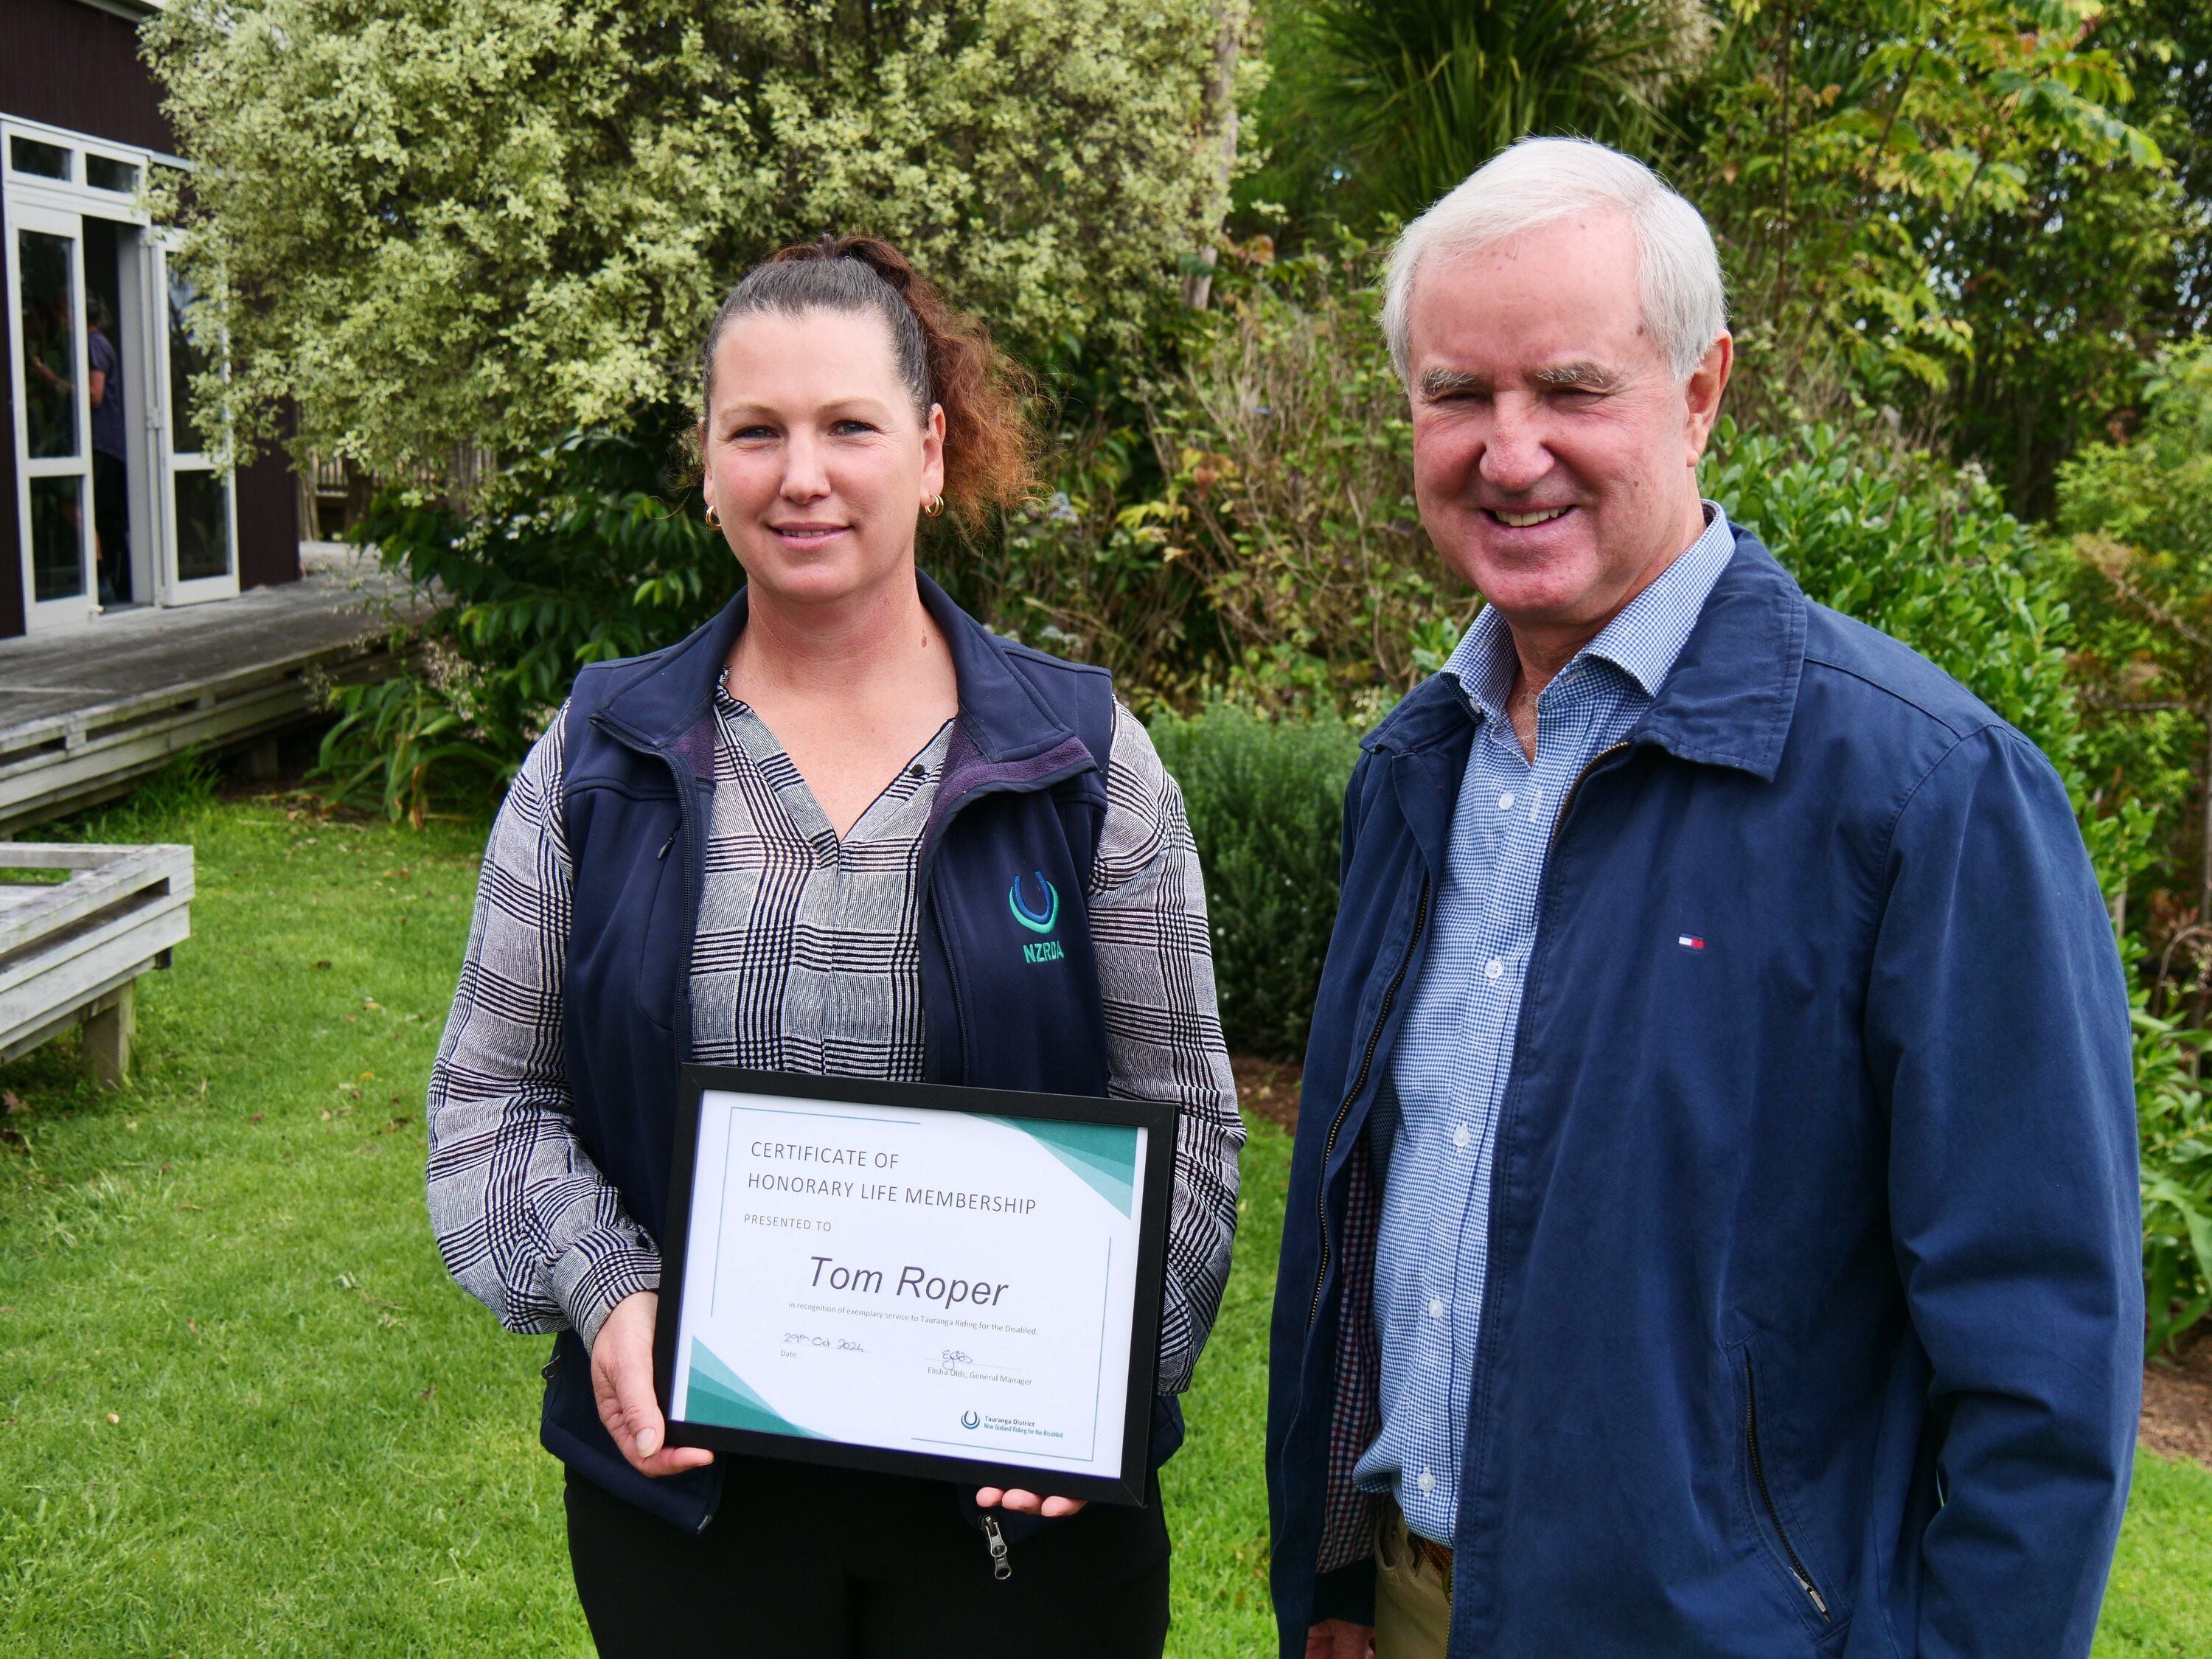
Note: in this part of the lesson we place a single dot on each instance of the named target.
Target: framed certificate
(961, 1284)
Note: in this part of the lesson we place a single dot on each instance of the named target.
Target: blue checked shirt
(1435, 1123)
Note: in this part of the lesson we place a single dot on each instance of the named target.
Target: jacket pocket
(1768, 1516)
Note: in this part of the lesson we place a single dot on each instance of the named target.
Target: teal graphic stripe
(720, 1396)
(1103, 1155)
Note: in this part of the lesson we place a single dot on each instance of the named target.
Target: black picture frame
(1154, 1197)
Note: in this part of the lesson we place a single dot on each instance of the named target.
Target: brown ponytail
(945, 357)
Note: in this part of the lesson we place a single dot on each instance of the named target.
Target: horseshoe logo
(1038, 920)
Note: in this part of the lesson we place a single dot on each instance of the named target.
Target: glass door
(53, 414)
(200, 551)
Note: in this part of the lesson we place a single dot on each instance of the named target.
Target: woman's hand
(621, 1386)
(1028, 1503)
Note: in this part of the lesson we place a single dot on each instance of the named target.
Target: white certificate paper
(942, 1282)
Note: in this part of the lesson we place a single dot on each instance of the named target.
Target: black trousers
(111, 517)
(803, 1563)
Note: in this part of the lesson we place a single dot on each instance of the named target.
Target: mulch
(2176, 1408)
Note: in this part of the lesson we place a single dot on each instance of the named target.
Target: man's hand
(1028, 1503)
(1340, 1638)
(621, 1386)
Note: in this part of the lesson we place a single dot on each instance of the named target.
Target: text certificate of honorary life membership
(865, 1273)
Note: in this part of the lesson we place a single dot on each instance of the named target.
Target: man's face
(1554, 451)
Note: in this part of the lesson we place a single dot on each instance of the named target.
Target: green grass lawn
(241, 1408)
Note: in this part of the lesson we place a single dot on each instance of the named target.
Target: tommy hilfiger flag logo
(1689, 941)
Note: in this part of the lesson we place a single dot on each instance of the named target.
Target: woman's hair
(944, 357)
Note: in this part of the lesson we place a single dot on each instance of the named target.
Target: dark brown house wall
(268, 523)
(73, 65)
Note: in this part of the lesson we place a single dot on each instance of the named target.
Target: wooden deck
(85, 713)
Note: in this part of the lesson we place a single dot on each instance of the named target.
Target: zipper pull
(1001, 1567)
(669, 842)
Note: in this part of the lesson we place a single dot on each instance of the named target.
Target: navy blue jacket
(1023, 791)
(1813, 1312)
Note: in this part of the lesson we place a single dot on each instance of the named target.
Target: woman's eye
(850, 429)
(746, 435)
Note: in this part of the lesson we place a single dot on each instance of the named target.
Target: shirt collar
(1642, 642)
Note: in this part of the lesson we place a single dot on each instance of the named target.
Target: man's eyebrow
(1443, 382)
(1584, 376)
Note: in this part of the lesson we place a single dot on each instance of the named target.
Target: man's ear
(1703, 393)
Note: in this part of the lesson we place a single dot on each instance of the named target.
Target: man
(1713, 1228)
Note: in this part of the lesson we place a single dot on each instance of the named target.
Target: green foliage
(1957, 213)
(425, 226)
(1413, 96)
(2139, 513)
(2174, 1108)
(1288, 486)
(404, 736)
(1079, 571)
(1929, 557)
(1265, 800)
(590, 550)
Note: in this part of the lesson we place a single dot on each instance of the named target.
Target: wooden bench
(78, 925)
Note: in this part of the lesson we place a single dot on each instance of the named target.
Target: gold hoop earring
(933, 505)
(714, 519)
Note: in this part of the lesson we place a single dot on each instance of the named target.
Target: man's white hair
(1540, 181)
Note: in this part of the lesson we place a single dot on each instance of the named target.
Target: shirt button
(1493, 969)
(1435, 1306)
(1505, 802)
(1427, 1482)
(1459, 1137)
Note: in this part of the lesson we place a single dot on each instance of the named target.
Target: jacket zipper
(1002, 1565)
(1559, 824)
(687, 806)
(1328, 1149)
(1766, 1495)
(1367, 1060)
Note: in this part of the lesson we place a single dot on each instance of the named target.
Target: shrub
(594, 548)
(1928, 555)
(1266, 799)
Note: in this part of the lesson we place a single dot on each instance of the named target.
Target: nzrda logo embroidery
(1038, 918)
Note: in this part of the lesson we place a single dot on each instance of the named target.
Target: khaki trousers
(1412, 1596)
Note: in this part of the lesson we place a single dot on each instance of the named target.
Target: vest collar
(1003, 720)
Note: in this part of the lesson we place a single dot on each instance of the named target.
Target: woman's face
(814, 456)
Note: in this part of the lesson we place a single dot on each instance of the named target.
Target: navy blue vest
(1023, 795)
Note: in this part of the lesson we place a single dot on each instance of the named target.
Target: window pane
(49, 278)
(56, 538)
(47, 160)
(103, 175)
(202, 526)
(186, 360)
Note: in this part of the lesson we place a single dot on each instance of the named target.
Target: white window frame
(152, 421)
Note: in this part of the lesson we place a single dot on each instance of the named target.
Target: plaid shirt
(807, 959)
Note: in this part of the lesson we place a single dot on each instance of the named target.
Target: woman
(786, 843)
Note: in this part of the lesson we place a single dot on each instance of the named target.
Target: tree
(431, 225)
(1385, 104)
(1916, 199)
